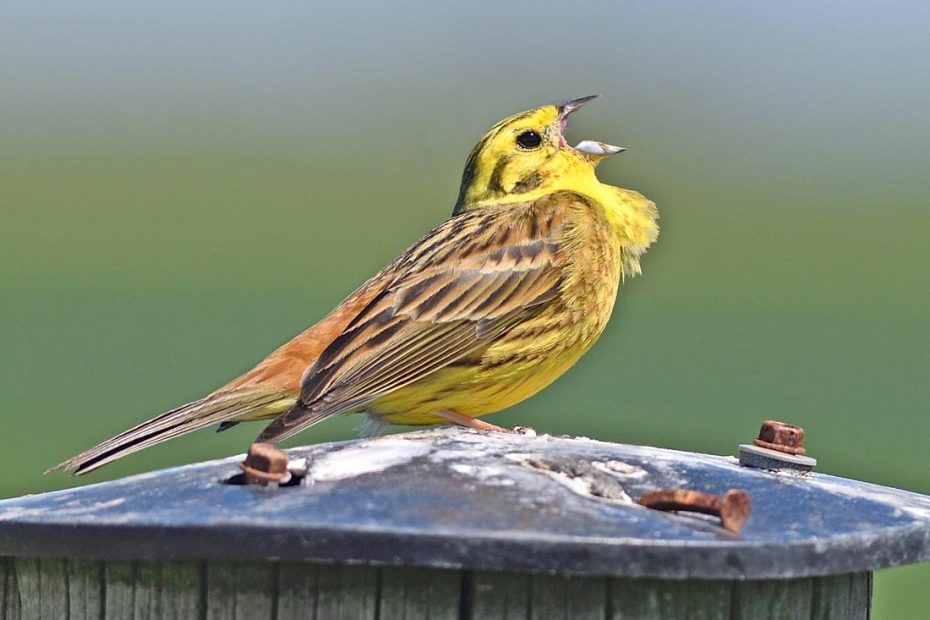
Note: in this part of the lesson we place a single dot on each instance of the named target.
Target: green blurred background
(185, 187)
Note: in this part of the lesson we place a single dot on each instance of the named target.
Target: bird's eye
(529, 140)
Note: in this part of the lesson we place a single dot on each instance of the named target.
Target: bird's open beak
(592, 148)
(570, 106)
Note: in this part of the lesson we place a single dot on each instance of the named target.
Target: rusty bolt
(265, 465)
(782, 437)
(733, 507)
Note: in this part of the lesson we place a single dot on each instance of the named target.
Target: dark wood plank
(655, 598)
(842, 596)
(5, 572)
(11, 602)
(181, 590)
(120, 581)
(221, 590)
(349, 592)
(85, 590)
(29, 586)
(146, 600)
(499, 595)
(772, 598)
(580, 598)
(53, 588)
(413, 593)
(240, 590)
(297, 591)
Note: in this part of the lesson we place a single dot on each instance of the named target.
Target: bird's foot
(463, 420)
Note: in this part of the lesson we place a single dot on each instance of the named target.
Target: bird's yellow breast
(599, 242)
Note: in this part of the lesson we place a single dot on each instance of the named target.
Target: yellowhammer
(487, 309)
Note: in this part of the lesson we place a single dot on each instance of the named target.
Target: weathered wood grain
(655, 598)
(240, 590)
(349, 592)
(120, 581)
(29, 586)
(85, 589)
(568, 597)
(414, 593)
(499, 595)
(773, 599)
(297, 591)
(32, 588)
(842, 596)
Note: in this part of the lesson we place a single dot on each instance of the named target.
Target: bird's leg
(463, 420)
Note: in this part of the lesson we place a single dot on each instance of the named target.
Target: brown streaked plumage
(487, 309)
(460, 288)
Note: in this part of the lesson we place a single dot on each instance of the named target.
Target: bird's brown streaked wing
(469, 281)
(285, 366)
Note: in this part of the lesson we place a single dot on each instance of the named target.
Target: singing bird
(487, 309)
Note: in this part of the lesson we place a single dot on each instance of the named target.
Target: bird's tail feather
(240, 403)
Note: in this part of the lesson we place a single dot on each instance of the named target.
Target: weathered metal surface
(462, 499)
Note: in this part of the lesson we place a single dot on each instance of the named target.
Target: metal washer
(763, 458)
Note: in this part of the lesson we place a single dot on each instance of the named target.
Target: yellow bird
(487, 309)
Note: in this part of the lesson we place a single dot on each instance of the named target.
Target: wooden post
(299, 590)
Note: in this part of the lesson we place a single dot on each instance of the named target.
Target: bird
(487, 309)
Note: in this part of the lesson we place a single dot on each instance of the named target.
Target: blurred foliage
(183, 191)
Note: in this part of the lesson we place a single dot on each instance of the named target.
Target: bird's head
(526, 156)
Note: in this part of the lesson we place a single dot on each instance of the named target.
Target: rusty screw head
(265, 465)
(782, 437)
(779, 447)
(733, 507)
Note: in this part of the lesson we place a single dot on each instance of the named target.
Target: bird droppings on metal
(299, 466)
(526, 431)
(915, 509)
(619, 468)
(582, 477)
(74, 507)
(365, 458)
(486, 474)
